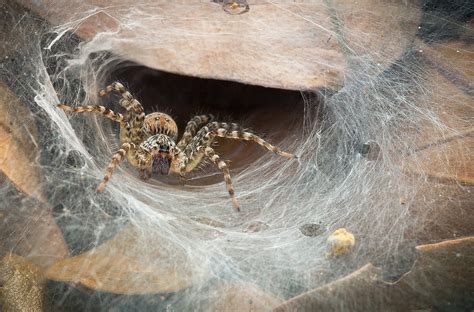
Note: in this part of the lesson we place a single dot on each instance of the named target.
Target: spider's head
(161, 149)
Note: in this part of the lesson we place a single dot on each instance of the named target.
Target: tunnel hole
(274, 114)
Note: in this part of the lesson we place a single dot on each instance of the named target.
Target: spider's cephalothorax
(150, 141)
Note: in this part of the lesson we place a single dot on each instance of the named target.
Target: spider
(149, 141)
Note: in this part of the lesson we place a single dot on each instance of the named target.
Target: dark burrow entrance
(275, 114)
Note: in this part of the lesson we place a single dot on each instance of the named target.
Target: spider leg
(231, 131)
(116, 158)
(94, 109)
(200, 145)
(128, 101)
(248, 136)
(136, 113)
(192, 127)
(209, 152)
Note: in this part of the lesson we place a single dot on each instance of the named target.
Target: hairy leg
(248, 136)
(136, 113)
(128, 101)
(209, 152)
(116, 158)
(192, 127)
(193, 152)
(207, 133)
(94, 109)
(201, 144)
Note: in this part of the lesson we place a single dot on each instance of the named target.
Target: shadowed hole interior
(274, 114)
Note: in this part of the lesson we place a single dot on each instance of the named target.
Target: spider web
(385, 106)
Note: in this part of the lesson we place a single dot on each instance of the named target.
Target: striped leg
(192, 127)
(94, 109)
(128, 101)
(247, 136)
(116, 158)
(136, 115)
(209, 152)
(205, 136)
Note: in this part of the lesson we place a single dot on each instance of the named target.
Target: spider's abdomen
(160, 123)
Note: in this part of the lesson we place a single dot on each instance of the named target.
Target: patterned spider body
(154, 150)
(149, 142)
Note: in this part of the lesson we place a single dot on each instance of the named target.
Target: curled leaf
(283, 45)
(126, 264)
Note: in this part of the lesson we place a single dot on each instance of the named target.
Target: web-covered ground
(376, 99)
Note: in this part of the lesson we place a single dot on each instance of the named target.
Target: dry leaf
(382, 30)
(442, 274)
(451, 161)
(17, 144)
(450, 207)
(128, 265)
(26, 224)
(453, 58)
(283, 45)
(338, 295)
(446, 156)
(21, 284)
(452, 103)
(27, 227)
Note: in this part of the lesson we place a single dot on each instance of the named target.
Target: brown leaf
(241, 297)
(449, 102)
(442, 274)
(27, 227)
(338, 295)
(17, 144)
(450, 207)
(21, 284)
(26, 224)
(453, 59)
(445, 153)
(126, 264)
(382, 30)
(451, 161)
(285, 45)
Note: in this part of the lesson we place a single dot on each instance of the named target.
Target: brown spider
(148, 141)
